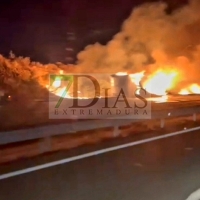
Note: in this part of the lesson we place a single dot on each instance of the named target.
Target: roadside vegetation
(26, 82)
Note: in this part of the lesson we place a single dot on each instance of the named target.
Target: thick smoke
(151, 39)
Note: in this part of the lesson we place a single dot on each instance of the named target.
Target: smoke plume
(151, 39)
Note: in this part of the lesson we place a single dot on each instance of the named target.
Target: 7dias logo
(97, 96)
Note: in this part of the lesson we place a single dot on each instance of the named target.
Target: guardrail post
(45, 145)
(162, 123)
(116, 131)
(194, 117)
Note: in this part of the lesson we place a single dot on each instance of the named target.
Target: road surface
(165, 169)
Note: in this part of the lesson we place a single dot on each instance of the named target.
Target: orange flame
(121, 74)
(184, 92)
(61, 92)
(195, 89)
(137, 77)
(161, 81)
(56, 83)
(192, 89)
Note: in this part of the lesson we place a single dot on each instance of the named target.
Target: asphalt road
(166, 169)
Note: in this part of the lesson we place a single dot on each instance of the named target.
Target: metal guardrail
(55, 130)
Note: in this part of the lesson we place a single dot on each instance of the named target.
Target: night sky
(41, 29)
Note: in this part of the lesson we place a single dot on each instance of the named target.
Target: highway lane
(166, 169)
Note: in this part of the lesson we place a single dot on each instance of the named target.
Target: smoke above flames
(150, 40)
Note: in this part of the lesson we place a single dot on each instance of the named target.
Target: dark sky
(38, 28)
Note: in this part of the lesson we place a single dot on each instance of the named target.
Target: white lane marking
(94, 153)
(194, 196)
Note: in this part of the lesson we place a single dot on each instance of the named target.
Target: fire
(62, 92)
(161, 99)
(195, 89)
(161, 81)
(184, 92)
(56, 83)
(121, 73)
(137, 77)
(192, 89)
(57, 89)
(112, 82)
